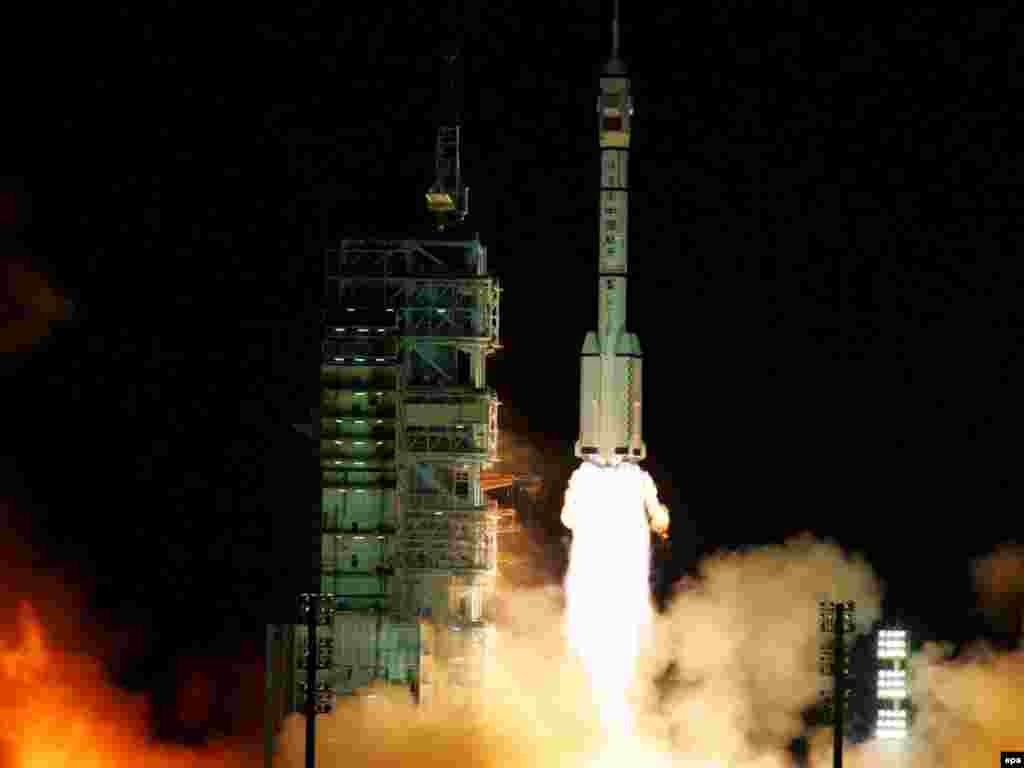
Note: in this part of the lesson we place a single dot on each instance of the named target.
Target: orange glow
(28, 307)
(58, 710)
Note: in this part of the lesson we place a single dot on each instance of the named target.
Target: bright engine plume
(608, 606)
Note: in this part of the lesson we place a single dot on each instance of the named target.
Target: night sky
(824, 244)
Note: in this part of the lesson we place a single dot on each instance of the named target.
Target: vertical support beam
(311, 664)
(313, 612)
(839, 694)
(379, 627)
(479, 368)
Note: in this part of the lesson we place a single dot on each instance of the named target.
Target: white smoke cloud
(968, 707)
(743, 637)
(537, 708)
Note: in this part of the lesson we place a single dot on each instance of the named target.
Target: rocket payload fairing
(611, 361)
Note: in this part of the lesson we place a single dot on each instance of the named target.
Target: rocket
(611, 360)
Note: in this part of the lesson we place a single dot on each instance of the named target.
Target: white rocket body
(611, 361)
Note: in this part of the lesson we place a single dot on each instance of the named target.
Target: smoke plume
(968, 706)
(742, 636)
(535, 708)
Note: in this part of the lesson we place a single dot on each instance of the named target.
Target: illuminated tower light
(891, 724)
(892, 693)
(890, 733)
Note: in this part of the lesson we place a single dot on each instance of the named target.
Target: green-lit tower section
(407, 435)
(359, 409)
(406, 427)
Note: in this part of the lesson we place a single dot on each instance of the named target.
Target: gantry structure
(410, 508)
(407, 436)
(407, 431)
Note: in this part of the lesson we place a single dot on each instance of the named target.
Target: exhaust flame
(609, 565)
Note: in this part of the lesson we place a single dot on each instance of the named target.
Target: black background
(824, 237)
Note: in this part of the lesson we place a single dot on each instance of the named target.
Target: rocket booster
(611, 360)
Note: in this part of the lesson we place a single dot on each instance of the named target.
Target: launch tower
(407, 435)
(408, 429)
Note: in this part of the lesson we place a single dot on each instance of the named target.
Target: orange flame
(58, 710)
